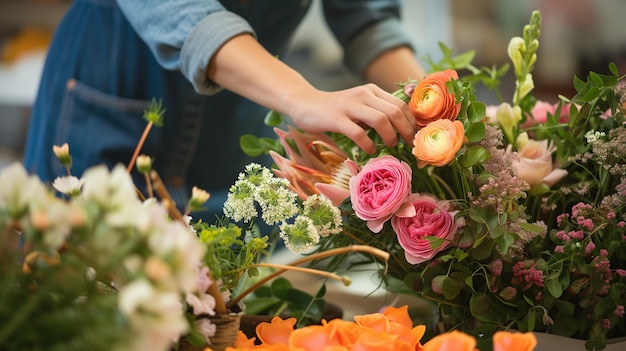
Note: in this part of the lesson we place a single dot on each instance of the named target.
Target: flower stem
(166, 199)
(220, 305)
(345, 280)
(338, 251)
(142, 140)
(149, 185)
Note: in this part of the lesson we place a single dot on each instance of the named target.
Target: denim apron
(98, 78)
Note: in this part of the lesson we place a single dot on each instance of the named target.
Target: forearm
(243, 66)
(392, 67)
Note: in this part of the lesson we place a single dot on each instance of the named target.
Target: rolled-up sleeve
(365, 29)
(184, 35)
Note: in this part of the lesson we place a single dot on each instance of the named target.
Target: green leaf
(482, 308)
(531, 227)
(475, 132)
(531, 319)
(483, 250)
(463, 60)
(613, 69)
(539, 189)
(298, 299)
(505, 241)
(254, 146)
(251, 145)
(565, 307)
(597, 80)
(281, 287)
(596, 342)
(554, 287)
(579, 84)
(604, 305)
(435, 242)
(450, 288)
(195, 338)
(592, 94)
(476, 112)
(258, 305)
(273, 118)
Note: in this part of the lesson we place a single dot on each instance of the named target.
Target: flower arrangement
(390, 329)
(505, 217)
(92, 262)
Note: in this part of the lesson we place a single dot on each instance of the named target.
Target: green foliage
(280, 298)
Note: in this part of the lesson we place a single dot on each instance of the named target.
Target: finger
(357, 134)
(375, 119)
(398, 114)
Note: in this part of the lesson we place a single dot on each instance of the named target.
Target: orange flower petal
(511, 341)
(399, 315)
(276, 332)
(312, 337)
(451, 341)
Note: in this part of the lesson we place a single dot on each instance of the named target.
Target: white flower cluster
(592, 136)
(152, 261)
(258, 186)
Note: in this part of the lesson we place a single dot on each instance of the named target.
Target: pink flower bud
(496, 267)
(437, 284)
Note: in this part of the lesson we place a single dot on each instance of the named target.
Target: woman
(213, 64)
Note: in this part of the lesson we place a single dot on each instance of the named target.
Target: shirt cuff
(203, 42)
(372, 42)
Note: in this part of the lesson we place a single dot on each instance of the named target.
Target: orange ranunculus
(513, 341)
(451, 341)
(438, 142)
(431, 100)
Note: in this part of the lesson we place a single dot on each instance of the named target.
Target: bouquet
(505, 217)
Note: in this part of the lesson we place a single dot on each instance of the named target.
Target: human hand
(352, 111)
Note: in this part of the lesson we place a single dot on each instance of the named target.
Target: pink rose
(381, 189)
(431, 219)
(535, 164)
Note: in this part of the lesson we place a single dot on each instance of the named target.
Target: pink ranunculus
(433, 219)
(380, 190)
(535, 164)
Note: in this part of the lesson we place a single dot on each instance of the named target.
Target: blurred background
(577, 36)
